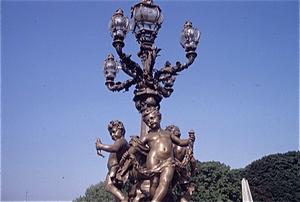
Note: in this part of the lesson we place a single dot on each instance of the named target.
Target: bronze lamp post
(152, 158)
(151, 84)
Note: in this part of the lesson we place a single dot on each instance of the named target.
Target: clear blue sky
(241, 95)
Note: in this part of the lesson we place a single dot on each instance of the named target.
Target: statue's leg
(164, 183)
(110, 188)
(154, 181)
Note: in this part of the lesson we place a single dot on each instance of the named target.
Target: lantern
(146, 21)
(110, 68)
(118, 26)
(189, 37)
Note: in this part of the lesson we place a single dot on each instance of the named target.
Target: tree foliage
(216, 182)
(275, 177)
(96, 193)
(271, 178)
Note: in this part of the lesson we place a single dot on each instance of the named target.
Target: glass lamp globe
(146, 21)
(110, 68)
(189, 37)
(118, 26)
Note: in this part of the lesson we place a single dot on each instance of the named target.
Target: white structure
(247, 197)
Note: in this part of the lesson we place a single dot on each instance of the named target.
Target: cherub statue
(113, 184)
(157, 145)
(160, 159)
(183, 156)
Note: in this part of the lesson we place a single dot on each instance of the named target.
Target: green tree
(271, 178)
(96, 193)
(216, 182)
(275, 177)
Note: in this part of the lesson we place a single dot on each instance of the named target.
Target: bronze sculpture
(113, 183)
(160, 161)
(157, 158)
(183, 156)
(159, 167)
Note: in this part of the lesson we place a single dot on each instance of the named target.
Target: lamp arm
(166, 92)
(126, 70)
(120, 86)
(168, 71)
(191, 58)
(178, 68)
(119, 46)
(166, 76)
(128, 66)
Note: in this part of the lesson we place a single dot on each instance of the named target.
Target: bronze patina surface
(157, 159)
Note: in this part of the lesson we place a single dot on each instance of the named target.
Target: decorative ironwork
(151, 85)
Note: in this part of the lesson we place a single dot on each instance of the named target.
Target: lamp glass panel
(110, 66)
(150, 14)
(183, 38)
(110, 27)
(137, 14)
(161, 19)
(190, 34)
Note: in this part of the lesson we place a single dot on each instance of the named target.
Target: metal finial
(119, 12)
(111, 56)
(188, 24)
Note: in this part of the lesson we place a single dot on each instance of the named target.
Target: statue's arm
(110, 148)
(145, 139)
(183, 142)
(178, 141)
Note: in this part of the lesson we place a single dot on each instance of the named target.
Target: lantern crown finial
(111, 56)
(150, 2)
(119, 12)
(188, 24)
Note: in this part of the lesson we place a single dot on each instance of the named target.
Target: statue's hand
(98, 144)
(98, 147)
(192, 135)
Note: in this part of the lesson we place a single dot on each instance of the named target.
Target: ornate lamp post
(151, 85)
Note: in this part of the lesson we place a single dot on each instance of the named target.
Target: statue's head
(174, 130)
(152, 117)
(115, 126)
